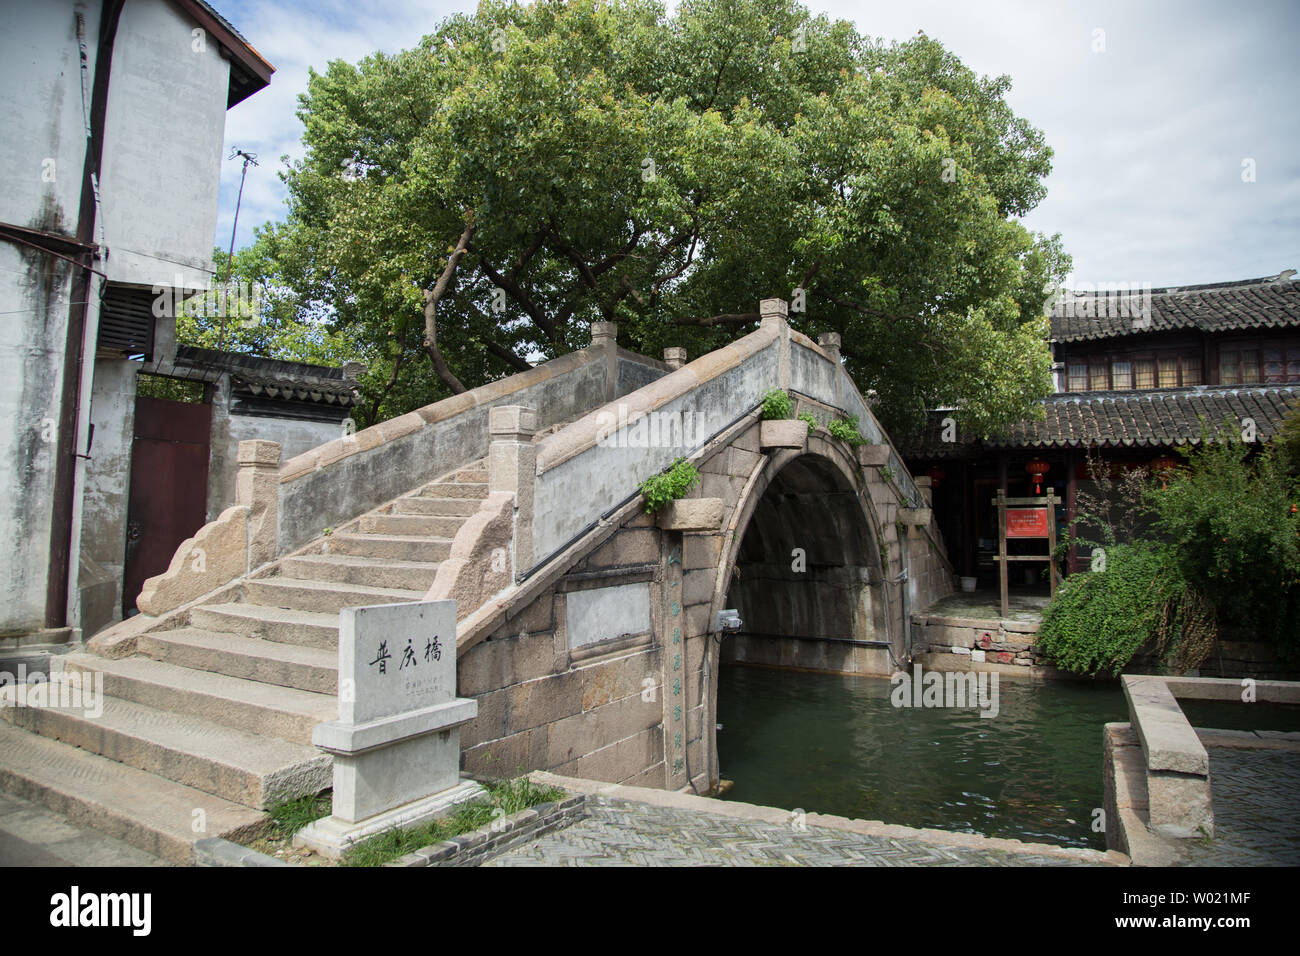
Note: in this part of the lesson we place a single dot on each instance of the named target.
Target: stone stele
(396, 744)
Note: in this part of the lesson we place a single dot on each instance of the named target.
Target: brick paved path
(625, 833)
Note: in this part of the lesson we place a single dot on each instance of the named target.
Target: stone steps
(454, 489)
(256, 708)
(433, 526)
(149, 812)
(322, 597)
(402, 547)
(355, 569)
(251, 770)
(217, 715)
(268, 662)
(420, 505)
(280, 625)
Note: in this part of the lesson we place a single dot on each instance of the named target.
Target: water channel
(836, 745)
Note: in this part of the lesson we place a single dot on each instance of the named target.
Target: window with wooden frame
(1255, 362)
(1078, 377)
(1128, 371)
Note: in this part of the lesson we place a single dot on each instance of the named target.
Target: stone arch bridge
(588, 629)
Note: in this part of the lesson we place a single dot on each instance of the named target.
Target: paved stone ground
(625, 833)
(30, 835)
(1256, 797)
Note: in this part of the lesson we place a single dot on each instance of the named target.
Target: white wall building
(113, 114)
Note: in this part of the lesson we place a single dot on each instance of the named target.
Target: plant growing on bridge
(846, 430)
(812, 422)
(674, 483)
(777, 405)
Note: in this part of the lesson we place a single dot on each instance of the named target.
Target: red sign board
(1027, 523)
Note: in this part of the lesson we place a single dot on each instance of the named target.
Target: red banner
(1026, 522)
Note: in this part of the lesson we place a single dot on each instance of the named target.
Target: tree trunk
(431, 298)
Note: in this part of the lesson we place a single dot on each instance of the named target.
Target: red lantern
(1038, 468)
(936, 476)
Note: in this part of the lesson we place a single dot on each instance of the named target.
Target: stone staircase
(210, 724)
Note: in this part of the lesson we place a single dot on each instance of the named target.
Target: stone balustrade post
(775, 312)
(257, 487)
(830, 343)
(604, 335)
(675, 357)
(512, 469)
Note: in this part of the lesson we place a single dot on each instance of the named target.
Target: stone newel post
(257, 486)
(675, 357)
(830, 343)
(604, 335)
(512, 468)
(776, 312)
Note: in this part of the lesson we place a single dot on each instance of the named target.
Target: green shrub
(846, 430)
(1136, 601)
(812, 422)
(777, 405)
(675, 483)
(1228, 518)
(887, 473)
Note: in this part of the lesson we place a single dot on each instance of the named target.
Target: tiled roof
(1269, 303)
(265, 378)
(1159, 418)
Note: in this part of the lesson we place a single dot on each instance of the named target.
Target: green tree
(1229, 518)
(525, 170)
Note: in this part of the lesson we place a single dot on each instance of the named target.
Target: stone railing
(1177, 766)
(351, 475)
(1156, 769)
(282, 506)
(592, 466)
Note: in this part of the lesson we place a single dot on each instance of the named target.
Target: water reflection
(836, 745)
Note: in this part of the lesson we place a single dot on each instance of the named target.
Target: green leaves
(624, 164)
(1228, 516)
(846, 430)
(675, 483)
(777, 405)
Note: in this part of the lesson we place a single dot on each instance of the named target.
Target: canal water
(831, 744)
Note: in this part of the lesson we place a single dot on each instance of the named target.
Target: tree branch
(732, 318)
(431, 298)
(506, 355)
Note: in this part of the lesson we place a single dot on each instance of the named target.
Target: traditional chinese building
(1137, 377)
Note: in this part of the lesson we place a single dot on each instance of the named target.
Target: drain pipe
(901, 581)
(63, 549)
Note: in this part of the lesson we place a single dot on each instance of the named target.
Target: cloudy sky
(1157, 111)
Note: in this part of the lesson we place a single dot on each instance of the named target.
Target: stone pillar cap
(603, 330)
(508, 420)
(259, 452)
(774, 308)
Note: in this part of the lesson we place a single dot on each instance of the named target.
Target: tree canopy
(468, 206)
